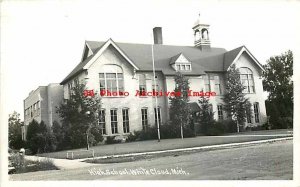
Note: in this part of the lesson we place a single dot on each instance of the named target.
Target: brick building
(40, 105)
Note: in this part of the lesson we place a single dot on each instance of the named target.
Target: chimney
(157, 35)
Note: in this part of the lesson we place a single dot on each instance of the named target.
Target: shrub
(215, 129)
(258, 127)
(169, 130)
(149, 134)
(229, 126)
(30, 166)
(133, 136)
(17, 143)
(112, 140)
(286, 122)
(40, 138)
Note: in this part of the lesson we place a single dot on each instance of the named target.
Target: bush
(170, 130)
(229, 126)
(30, 166)
(133, 136)
(215, 129)
(149, 134)
(258, 127)
(167, 130)
(17, 143)
(286, 122)
(40, 139)
(112, 140)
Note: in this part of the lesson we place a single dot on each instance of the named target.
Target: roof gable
(86, 52)
(103, 48)
(234, 55)
(180, 58)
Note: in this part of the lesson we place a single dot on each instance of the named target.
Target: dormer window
(183, 67)
(181, 63)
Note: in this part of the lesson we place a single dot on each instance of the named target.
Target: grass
(122, 159)
(153, 145)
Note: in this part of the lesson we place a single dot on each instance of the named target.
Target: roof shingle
(216, 59)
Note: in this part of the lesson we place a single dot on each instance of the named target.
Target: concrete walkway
(62, 164)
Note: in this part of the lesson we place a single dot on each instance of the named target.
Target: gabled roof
(99, 52)
(140, 57)
(174, 58)
(230, 56)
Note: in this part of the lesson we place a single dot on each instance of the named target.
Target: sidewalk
(168, 144)
(62, 164)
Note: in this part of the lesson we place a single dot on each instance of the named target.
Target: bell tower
(201, 35)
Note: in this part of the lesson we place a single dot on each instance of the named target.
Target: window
(125, 120)
(249, 117)
(114, 121)
(76, 82)
(217, 85)
(157, 115)
(102, 123)
(144, 119)
(70, 86)
(142, 84)
(183, 67)
(247, 80)
(112, 82)
(155, 88)
(102, 81)
(206, 83)
(220, 112)
(256, 112)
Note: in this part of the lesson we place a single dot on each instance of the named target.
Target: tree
(39, 138)
(79, 116)
(236, 104)
(14, 131)
(58, 134)
(206, 116)
(277, 81)
(32, 136)
(179, 107)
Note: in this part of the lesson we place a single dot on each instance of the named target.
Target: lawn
(165, 144)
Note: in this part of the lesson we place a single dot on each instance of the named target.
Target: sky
(42, 41)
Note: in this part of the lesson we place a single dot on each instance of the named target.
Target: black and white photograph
(194, 91)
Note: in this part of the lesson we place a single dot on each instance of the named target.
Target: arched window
(197, 35)
(204, 33)
(111, 78)
(246, 76)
